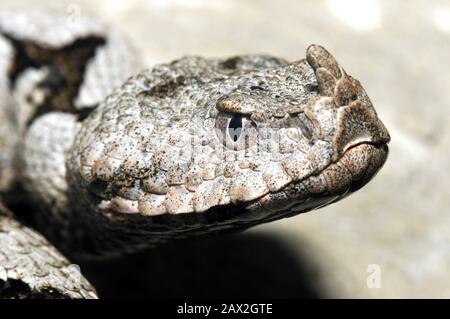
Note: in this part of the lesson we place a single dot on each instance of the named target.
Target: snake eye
(235, 127)
(235, 131)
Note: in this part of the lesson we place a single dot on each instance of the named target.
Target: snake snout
(356, 124)
(343, 114)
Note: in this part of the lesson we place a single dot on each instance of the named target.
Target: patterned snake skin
(103, 164)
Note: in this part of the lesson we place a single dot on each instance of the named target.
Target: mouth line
(354, 185)
(330, 197)
(214, 215)
(377, 142)
(232, 218)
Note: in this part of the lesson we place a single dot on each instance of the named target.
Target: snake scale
(101, 157)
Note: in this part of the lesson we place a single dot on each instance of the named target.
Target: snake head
(202, 145)
(307, 137)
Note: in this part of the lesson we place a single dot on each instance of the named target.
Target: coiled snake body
(103, 164)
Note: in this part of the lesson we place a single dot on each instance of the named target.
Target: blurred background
(390, 239)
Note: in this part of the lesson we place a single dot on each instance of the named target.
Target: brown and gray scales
(196, 146)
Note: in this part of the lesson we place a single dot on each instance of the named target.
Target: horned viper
(104, 157)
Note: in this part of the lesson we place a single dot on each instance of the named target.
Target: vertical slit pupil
(234, 128)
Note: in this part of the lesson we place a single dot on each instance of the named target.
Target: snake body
(106, 159)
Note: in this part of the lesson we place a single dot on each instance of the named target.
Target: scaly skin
(30, 267)
(153, 158)
(196, 146)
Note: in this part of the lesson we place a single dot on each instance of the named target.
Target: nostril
(98, 188)
(311, 87)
